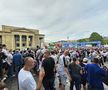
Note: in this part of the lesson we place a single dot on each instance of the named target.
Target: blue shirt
(94, 76)
(17, 59)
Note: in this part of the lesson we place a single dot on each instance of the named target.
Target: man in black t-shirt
(48, 65)
(47, 72)
(48, 80)
(75, 73)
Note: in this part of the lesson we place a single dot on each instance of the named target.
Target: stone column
(27, 41)
(20, 42)
(13, 42)
(3, 39)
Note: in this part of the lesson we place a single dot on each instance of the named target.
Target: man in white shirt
(62, 70)
(25, 78)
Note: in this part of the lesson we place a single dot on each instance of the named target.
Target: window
(40, 38)
(17, 38)
(24, 44)
(17, 44)
(30, 44)
(30, 38)
(23, 38)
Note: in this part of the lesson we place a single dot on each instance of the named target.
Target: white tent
(106, 45)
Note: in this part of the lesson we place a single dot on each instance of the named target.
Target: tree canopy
(84, 40)
(96, 37)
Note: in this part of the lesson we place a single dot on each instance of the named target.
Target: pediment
(23, 30)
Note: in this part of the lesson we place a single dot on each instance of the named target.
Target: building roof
(9, 29)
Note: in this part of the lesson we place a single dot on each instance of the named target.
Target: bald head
(29, 62)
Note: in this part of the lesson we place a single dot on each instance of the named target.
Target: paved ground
(13, 85)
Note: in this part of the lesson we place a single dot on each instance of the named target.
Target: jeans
(10, 70)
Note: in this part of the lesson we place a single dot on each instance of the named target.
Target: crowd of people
(80, 66)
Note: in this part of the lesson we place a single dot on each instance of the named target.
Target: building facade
(20, 38)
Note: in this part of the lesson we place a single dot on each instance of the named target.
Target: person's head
(37, 47)
(74, 60)
(96, 60)
(52, 52)
(29, 51)
(66, 52)
(46, 54)
(17, 51)
(81, 61)
(4, 46)
(85, 60)
(29, 62)
(46, 47)
(10, 51)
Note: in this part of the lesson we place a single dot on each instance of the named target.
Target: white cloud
(57, 19)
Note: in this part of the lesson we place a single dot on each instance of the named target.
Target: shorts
(62, 79)
(83, 82)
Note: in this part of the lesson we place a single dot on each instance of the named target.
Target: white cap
(85, 60)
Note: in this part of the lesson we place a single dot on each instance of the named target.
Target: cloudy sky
(57, 19)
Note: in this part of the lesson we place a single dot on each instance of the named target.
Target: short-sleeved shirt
(74, 70)
(49, 65)
(94, 75)
(61, 65)
(26, 80)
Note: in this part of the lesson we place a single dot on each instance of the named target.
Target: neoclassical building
(20, 38)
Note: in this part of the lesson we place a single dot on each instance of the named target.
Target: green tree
(84, 40)
(105, 41)
(96, 37)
